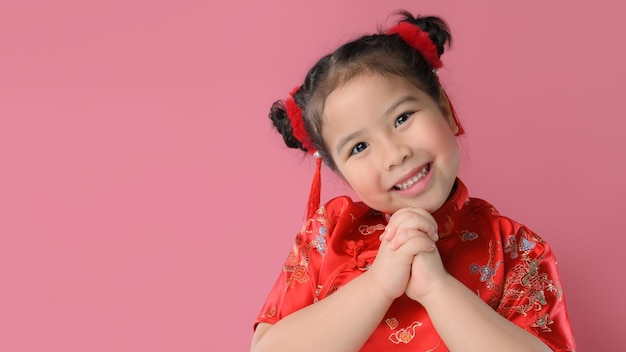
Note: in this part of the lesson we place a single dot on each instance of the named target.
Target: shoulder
(480, 215)
(486, 212)
(343, 206)
(511, 234)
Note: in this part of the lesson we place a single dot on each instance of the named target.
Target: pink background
(147, 205)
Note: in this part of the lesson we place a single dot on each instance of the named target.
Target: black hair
(374, 53)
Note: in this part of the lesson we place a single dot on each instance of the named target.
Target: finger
(417, 244)
(405, 235)
(394, 221)
(412, 218)
(392, 224)
(428, 224)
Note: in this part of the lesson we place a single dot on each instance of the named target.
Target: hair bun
(436, 28)
(280, 120)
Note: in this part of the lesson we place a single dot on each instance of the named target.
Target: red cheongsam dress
(507, 265)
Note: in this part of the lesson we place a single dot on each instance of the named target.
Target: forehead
(368, 95)
(363, 104)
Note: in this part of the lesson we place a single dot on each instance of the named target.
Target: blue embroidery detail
(321, 245)
(527, 245)
(486, 273)
(468, 236)
(474, 268)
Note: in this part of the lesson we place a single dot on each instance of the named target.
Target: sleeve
(532, 295)
(296, 285)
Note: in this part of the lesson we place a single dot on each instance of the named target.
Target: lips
(420, 175)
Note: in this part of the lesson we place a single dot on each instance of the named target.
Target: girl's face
(392, 142)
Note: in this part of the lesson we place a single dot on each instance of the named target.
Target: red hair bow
(294, 113)
(419, 40)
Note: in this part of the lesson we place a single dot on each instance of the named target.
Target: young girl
(416, 265)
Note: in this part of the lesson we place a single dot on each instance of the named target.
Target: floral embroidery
(320, 242)
(468, 236)
(319, 217)
(474, 269)
(526, 245)
(321, 245)
(271, 313)
(542, 322)
(392, 323)
(298, 273)
(511, 246)
(297, 263)
(405, 335)
(296, 257)
(449, 226)
(529, 282)
(528, 241)
(368, 230)
(488, 271)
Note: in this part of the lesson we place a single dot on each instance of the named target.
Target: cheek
(447, 142)
(363, 182)
(453, 153)
(349, 174)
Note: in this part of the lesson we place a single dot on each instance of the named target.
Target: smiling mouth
(414, 179)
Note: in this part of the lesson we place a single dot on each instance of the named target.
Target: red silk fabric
(511, 268)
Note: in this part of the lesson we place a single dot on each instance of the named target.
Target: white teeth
(415, 178)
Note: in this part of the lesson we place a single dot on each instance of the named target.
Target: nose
(395, 153)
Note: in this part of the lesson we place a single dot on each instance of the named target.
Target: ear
(449, 113)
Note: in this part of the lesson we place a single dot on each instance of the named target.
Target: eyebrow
(343, 141)
(404, 99)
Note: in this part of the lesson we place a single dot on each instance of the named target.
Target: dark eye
(359, 147)
(402, 119)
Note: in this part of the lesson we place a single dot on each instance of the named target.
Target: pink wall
(146, 205)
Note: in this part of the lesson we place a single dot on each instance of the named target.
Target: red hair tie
(294, 113)
(420, 41)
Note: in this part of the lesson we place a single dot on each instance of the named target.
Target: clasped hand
(408, 260)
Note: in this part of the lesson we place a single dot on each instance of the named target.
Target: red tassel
(316, 188)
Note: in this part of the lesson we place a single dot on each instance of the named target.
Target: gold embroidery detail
(533, 283)
(298, 273)
(449, 225)
(492, 268)
(542, 322)
(271, 313)
(392, 323)
(405, 335)
(368, 230)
